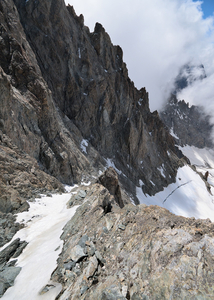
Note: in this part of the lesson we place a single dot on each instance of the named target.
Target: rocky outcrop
(109, 179)
(8, 227)
(36, 139)
(8, 272)
(21, 178)
(138, 252)
(189, 125)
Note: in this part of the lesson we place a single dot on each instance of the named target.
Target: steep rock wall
(90, 85)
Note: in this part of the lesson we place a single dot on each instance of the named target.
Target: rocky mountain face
(188, 125)
(62, 86)
(68, 110)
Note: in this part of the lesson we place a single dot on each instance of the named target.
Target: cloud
(158, 37)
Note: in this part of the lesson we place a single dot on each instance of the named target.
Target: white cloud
(157, 37)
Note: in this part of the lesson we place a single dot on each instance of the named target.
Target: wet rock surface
(137, 252)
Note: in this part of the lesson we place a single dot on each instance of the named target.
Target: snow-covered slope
(203, 160)
(189, 195)
(43, 226)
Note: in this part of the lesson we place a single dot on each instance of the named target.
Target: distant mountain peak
(188, 74)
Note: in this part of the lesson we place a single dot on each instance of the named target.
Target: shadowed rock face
(61, 85)
(90, 86)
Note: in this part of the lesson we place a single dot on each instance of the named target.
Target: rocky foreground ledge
(115, 250)
(134, 252)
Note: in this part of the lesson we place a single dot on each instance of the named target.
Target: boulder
(109, 179)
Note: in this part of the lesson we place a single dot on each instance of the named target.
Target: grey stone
(136, 296)
(82, 241)
(9, 251)
(82, 193)
(112, 293)
(105, 230)
(92, 249)
(122, 227)
(12, 263)
(99, 257)
(9, 274)
(83, 289)
(19, 250)
(77, 253)
(91, 268)
(3, 287)
(70, 265)
(70, 203)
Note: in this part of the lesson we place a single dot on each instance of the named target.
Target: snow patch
(140, 101)
(203, 159)
(173, 134)
(79, 52)
(161, 170)
(69, 188)
(141, 182)
(86, 183)
(110, 163)
(84, 145)
(43, 227)
(187, 197)
(199, 157)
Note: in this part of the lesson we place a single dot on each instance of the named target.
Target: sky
(158, 37)
(207, 7)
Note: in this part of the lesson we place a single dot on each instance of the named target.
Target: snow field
(43, 227)
(188, 196)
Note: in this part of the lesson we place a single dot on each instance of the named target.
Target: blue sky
(208, 8)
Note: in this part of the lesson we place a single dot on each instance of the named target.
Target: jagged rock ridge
(189, 125)
(137, 252)
(74, 85)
